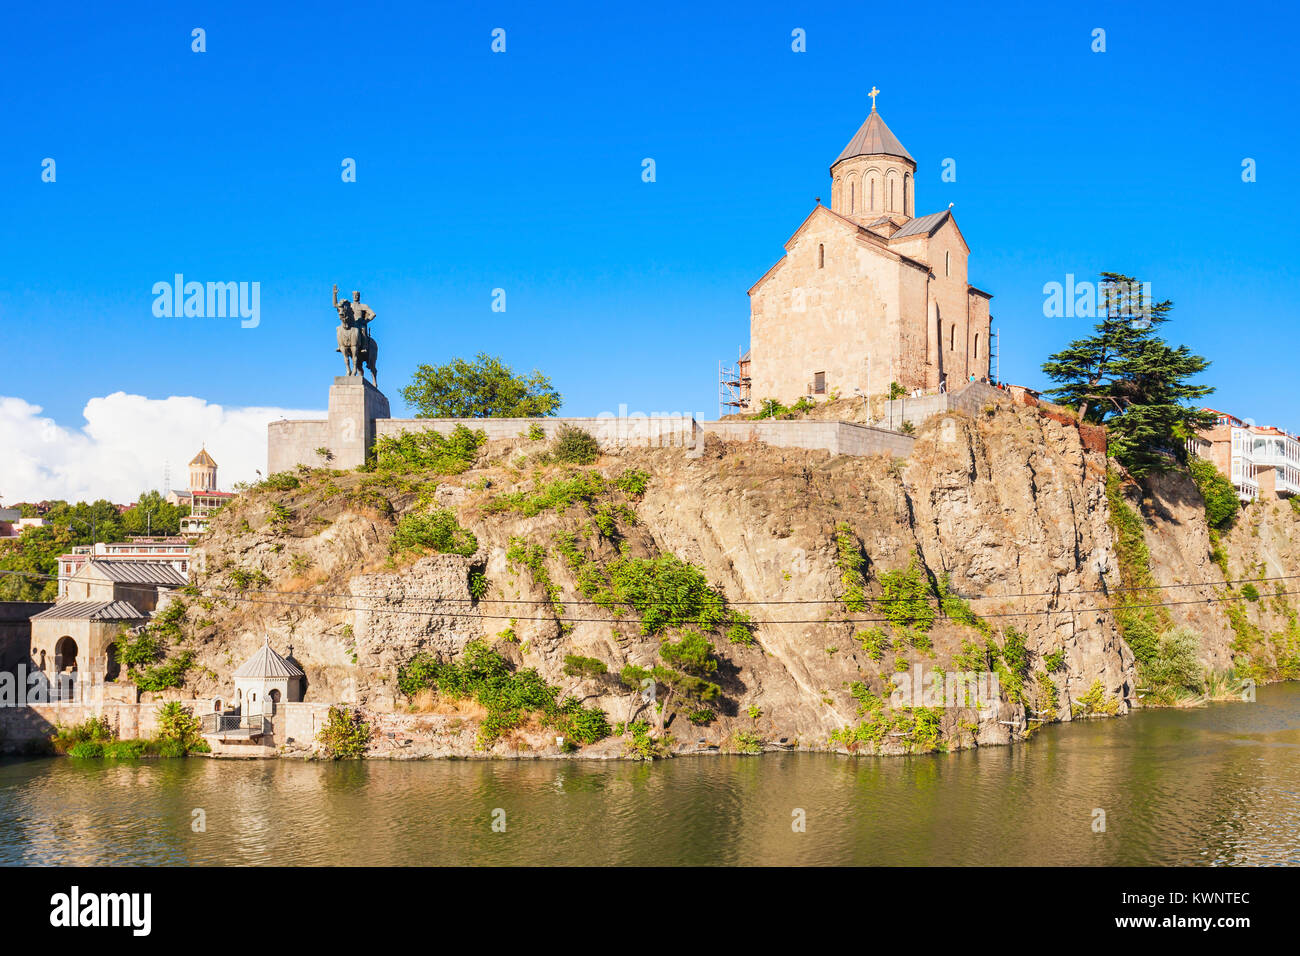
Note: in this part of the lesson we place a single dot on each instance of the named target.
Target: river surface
(1213, 785)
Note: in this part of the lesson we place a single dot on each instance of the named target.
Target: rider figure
(362, 314)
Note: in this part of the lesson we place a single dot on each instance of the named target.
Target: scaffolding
(995, 355)
(733, 386)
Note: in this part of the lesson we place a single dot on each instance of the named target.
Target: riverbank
(1217, 785)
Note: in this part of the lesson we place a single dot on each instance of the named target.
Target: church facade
(868, 293)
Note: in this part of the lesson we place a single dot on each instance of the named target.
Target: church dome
(874, 177)
(874, 138)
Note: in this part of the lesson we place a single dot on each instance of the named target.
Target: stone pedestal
(354, 406)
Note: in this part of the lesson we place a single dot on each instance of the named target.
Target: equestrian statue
(355, 341)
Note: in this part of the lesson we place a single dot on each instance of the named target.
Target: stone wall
(291, 443)
(611, 431)
(23, 727)
(838, 438)
(16, 631)
(970, 400)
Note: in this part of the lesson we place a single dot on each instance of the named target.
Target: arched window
(891, 195)
(947, 263)
(873, 192)
(952, 337)
(977, 345)
(821, 255)
(852, 197)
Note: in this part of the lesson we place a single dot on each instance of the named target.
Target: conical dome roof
(267, 663)
(874, 138)
(203, 458)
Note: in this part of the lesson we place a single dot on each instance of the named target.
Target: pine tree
(1130, 379)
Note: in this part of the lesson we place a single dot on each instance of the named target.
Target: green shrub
(559, 494)
(245, 578)
(1174, 668)
(125, 749)
(641, 745)
(668, 592)
(1055, 660)
(575, 665)
(428, 450)
(1250, 592)
(1221, 501)
(281, 481)
(96, 730)
(959, 610)
(905, 598)
(1095, 701)
(87, 750)
(432, 531)
(874, 641)
(771, 408)
(633, 482)
(1140, 625)
(144, 655)
(575, 446)
(345, 734)
(851, 563)
(178, 725)
(478, 584)
(508, 696)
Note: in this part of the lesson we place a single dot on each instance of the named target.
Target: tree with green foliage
(484, 388)
(33, 558)
(1128, 378)
(154, 515)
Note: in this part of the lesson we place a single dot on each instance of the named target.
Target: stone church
(868, 293)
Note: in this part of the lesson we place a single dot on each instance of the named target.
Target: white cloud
(124, 445)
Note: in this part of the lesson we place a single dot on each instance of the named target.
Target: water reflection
(1217, 785)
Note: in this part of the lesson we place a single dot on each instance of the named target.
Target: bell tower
(875, 176)
(203, 472)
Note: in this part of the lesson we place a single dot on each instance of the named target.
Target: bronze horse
(356, 343)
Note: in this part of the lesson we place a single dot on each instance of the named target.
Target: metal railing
(255, 724)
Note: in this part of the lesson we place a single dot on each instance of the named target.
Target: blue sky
(522, 171)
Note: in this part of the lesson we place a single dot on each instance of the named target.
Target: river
(1218, 784)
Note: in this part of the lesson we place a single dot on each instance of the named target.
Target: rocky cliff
(995, 547)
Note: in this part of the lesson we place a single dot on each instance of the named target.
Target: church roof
(92, 611)
(874, 138)
(925, 224)
(203, 458)
(267, 663)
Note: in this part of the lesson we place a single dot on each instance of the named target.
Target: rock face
(1006, 510)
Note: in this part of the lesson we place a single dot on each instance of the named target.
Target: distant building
(75, 639)
(173, 551)
(203, 498)
(13, 524)
(1258, 459)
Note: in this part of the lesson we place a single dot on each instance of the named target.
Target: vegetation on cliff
(1131, 380)
(509, 696)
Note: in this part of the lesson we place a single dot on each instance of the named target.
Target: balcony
(233, 727)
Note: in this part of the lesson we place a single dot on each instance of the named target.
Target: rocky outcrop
(1006, 510)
